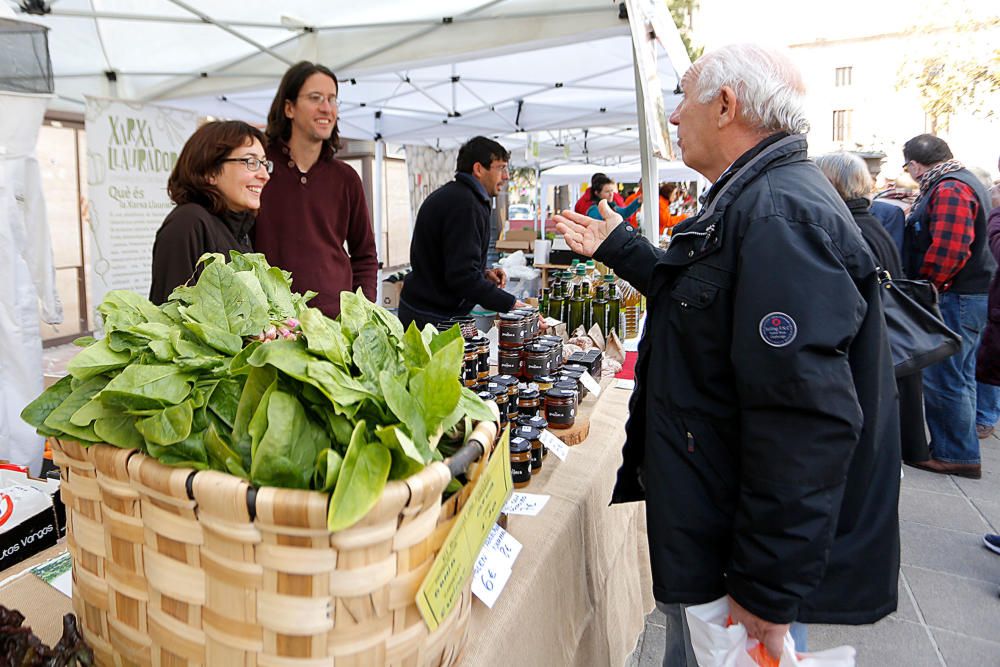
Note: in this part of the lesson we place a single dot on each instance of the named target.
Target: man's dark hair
(202, 158)
(279, 126)
(598, 181)
(926, 149)
(481, 150)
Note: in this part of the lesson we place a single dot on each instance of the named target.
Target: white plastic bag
(716, 645)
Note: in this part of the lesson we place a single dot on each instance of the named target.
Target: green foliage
(339, 406)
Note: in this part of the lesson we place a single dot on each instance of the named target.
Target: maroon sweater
(304, 222)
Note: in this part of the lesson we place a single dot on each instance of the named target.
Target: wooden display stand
(576, 433)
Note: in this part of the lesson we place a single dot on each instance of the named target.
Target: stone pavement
(949, 609)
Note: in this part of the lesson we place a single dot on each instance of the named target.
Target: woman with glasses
(216, 185)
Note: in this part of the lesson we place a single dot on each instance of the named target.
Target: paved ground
(949, 609)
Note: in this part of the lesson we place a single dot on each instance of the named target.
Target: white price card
(625, 384)
(555, 445)
(591, 384)
(503, 543)
(526, 504)
(489, 576)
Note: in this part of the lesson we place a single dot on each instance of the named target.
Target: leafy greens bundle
(236, 373)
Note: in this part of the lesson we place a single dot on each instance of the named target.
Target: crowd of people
(767, 427)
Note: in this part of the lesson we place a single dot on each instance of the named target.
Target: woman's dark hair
(201, 159)
(598, 181)
(926, 149)
(279, 126)
(667, 190)
(481, 150)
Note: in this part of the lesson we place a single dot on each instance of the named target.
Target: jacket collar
(859, 205)
(473, 183)
(701, 235)
(239, 222)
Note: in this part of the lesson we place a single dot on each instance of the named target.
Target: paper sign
(551, 321)
(555, 445)
(526, 504)
(625, 384)
(505, 544)
(442, 587)
(490, 576)
(591, 384)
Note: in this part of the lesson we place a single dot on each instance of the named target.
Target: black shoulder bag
(918, 335)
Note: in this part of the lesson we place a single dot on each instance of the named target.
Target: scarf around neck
(936, 172)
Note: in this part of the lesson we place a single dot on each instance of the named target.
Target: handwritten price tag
(503, 543)
(555, 445)
(591, 384)
(489, 576)
(525, 504)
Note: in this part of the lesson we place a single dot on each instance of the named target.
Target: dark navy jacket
(763, 430)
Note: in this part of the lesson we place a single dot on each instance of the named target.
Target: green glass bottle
(588, 301)
(600, 309)
(576, 305)
(556, 302)
(543, 301)
(614, 305)
(567, 290)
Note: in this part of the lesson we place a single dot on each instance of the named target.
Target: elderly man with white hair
(763, 431)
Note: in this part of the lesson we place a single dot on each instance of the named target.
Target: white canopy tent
(667, 171)
(555, 72)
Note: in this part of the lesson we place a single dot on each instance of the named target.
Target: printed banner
(131, 150)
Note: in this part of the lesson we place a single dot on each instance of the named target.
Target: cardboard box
(390, 293)
(28, 521)
(517, 239)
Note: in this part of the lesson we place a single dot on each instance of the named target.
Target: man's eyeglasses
(906, 167)
(252, 163)
(316, 99)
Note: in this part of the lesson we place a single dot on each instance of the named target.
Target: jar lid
(479, 340)
(505, 380)
(527, 432)
(544, 379)
(534, 422)
(470, 348)
(519, 444)
(528, 392)
(485, 395)
(498, 390)
(566, 385)
(574, 367)
(510, 317)
(560, 393)
(536, 348)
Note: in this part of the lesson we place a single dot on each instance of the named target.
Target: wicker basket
(177, 567)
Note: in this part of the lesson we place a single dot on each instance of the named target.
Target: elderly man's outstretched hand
(584, 234)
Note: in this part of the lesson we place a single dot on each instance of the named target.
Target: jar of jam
(536, 360)
(509, 360)
(538, 423)
(528, 401)
(501, 399)
(483, 354)
(560, 408)
(512, 330)
(534, 437)
(467, 325)
(520, 462)
(576, 369)
(470, 366)
(571, 385)
(544, 382)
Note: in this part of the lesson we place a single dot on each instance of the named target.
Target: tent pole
(650, 186)
(378, 196)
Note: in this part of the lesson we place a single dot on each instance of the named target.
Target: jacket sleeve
(796, 312)
(361, 245)
(993, 232)
(463, 270)
(630, 254)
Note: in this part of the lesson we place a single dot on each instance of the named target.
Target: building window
(842, 76)
(842, 125)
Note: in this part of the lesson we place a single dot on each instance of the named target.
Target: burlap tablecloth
(581, 587)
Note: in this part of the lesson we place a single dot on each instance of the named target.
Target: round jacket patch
(777, 329)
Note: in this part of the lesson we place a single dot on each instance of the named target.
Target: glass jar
(467, 325)
(537, 422)
(509, 360)
(486, 397)
(560, 408)
(528, 402)
(544, 382)
(520, 462)
(570, 384)
(502, 400)
(534, 436)
(509, 382)
(470, 365)
(512, 330)
(536, 360)
(482, 344)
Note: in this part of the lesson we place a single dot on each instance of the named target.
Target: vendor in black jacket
(763, 430)
(451, 238)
